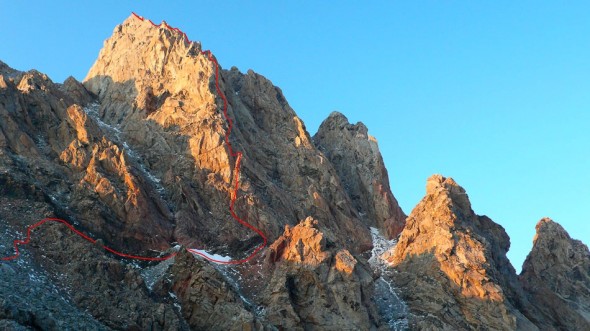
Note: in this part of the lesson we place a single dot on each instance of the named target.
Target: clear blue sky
(496, 95)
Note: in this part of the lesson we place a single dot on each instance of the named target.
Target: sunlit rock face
(159, 90)
(454, 272)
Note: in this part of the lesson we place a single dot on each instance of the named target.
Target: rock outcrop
(315, 285)
(50, 141)
(62, 282)
(112, 292)
(206, 299)
(452, 265)
(29, 297)
(356, 157)
(556, 274)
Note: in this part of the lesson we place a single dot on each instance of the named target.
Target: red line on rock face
(237, 167)
(238, 156)
(27, 240)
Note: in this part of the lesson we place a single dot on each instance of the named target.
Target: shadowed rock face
(356, 157)
(55, 161)
(206, 298)
(556, 273)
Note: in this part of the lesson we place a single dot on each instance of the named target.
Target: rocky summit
(159, 151)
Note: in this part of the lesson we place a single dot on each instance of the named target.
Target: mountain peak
(546, 224)
(439, 186)
(338, 120)
(438, 182)
(141, 47)
(6, 70)
(147, 70)
(557, 274)
(445, 240)
(337, 116)
(554, 243)
(367, 180)
(433, 225)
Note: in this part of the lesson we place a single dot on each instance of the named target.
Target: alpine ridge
(245, 220)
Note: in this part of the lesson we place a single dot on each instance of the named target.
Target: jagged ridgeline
(136, 157)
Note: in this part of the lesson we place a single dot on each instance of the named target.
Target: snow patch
(210, 256)
(380, 245)
(92, 111)
(388, 302)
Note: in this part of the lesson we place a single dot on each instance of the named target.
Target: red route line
(233, 153)
(79, 233)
